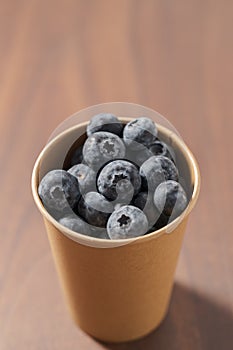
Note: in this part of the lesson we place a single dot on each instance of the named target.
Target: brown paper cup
(116, 290)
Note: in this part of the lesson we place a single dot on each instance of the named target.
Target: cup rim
(109, 243)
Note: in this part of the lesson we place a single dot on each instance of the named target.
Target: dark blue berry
(105, 122)
(77, 156)
(139, 132)
(127, 222)
(59, 192)
(102, 147)
(119, 180)
(99, 232)
(95, 209)
(170, 198)
(140, 200)
(86, 177)
(118, 205)
(75, 223)
(160, 222)
(138, 157)
(144, 201)
(155, 170)
(160, 148)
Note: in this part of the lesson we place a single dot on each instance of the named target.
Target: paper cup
(116, 290)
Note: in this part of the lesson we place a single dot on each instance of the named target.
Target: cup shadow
(193, 322)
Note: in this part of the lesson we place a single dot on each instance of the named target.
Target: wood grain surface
(60, 56)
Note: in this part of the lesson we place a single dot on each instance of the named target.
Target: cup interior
(57, 153)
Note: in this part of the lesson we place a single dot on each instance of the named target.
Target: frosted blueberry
(144, 201)
(119, 180)
(95, 209)
(139, 132)
(59, 192)
(102, 147)
(138, 157)
(155, 170)
(76, 156)
(75, 223)
(86, 177)
(160, 148)
(170, 198)
(104, 122)
(160, 222)
(127, 222)
(99, 232)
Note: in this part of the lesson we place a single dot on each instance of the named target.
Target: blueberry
(95, 209)
(105, 122)
(102, 147)
(139, 132)
(86, 177)
(127, 222)
(119, 180)
(59, 192)
(170, 198)
(138, 157)
(140, 200)
(99, 232)
(118, 205)
(75, 223)
(160, 222)
(160, 148)
(144, 201)
(156, 170)
(77, 156)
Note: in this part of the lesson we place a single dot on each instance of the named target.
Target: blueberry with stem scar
(59, 192)
(102, 147)
(127, 222)
(119, 180)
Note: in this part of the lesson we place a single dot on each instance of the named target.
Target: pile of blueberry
(122, 182)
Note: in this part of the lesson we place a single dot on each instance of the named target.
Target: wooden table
(60, 56)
